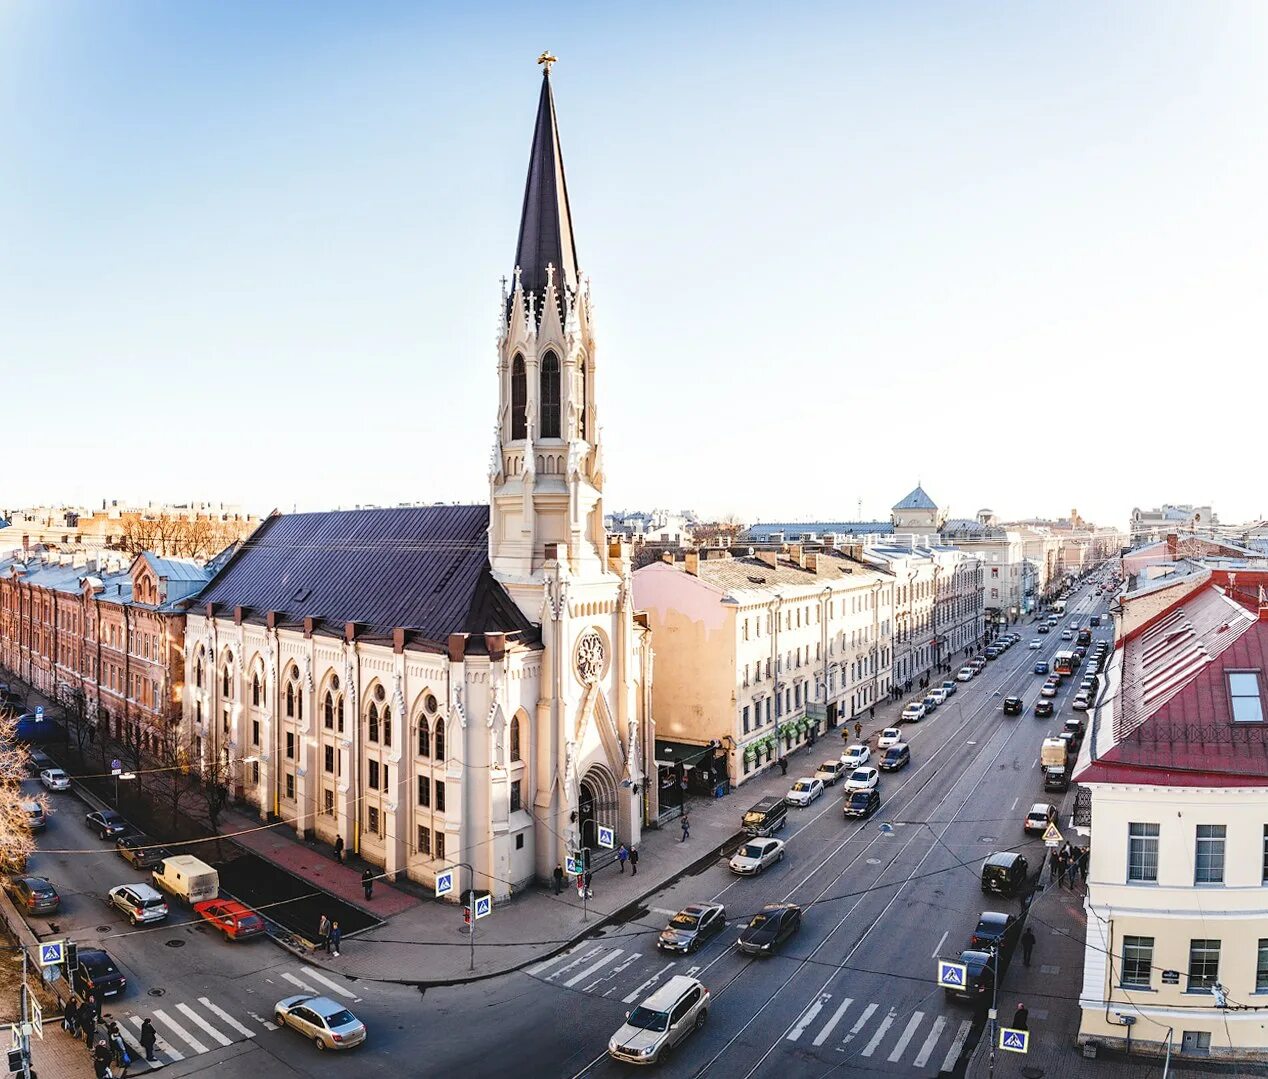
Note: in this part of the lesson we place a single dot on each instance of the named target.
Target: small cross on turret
(546, 60)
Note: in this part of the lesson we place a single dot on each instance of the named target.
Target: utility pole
(994, 1009)
(25, 1037)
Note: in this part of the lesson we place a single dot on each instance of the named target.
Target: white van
(187, 878)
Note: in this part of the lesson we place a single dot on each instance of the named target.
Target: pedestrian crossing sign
(951, 975)
(607, 837)
(52, 952)
(444, 883)
(483, 906)
(573, 865)
(1052, 836)
(1015, 1041)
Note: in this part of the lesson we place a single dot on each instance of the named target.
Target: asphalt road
(852, 994)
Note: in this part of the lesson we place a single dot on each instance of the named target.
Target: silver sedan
(324, 1022)
(756, 855)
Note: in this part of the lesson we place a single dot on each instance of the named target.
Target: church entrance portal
(597, 805)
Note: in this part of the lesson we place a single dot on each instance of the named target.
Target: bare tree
(217, 786)
(16, 842)
(175, 777)
(727, 527)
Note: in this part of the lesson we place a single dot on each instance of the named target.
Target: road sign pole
(25, 1037)
(994, 1010)
(471, 899)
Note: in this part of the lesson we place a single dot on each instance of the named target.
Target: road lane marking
(808, 1016)
(198, 1020)
(532, 972)
(957, 1043)
(901, 1047)
(226, 1017)
(831, 1024)
(298, 984)
(1015, 801)
(885, 1024)
(862, 1022)
(261, 1019)
(650, 981)
(317, 976)
(575, 963)
(181, 1032)
(941, 941)
(926, 1050)
(602, 961)
(663, 910)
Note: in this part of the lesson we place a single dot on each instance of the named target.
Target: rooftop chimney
(693, 562)
(811, 562)
(771, 558)
(796, 554)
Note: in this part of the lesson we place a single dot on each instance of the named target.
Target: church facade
(450, 686)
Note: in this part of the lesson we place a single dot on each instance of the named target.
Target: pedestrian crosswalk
(831, 1023)
(189, 1028)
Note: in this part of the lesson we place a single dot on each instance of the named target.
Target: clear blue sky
(250, 251)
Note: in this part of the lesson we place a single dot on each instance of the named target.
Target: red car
(232, 918)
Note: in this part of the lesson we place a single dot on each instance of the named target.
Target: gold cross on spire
(546, 60)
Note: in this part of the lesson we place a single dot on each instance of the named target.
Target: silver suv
(661, 1022)
(139, 902)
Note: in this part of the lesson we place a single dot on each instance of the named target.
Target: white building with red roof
(1176, 761)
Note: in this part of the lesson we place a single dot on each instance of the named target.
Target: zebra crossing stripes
(957, 1043)
(900, 1047)
(226, 1018)
(585, 972)
(180, 1031)
(879, 1032)
(831, 1024)
(931, 1042)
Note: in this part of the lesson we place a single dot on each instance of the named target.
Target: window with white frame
(1244, 696)
(1208, 855)
(1142, 852)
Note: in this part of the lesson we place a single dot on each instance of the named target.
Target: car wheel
(781, 856)
(320, 1042)
(693, 947)
(700, 1018)
(279, 1019)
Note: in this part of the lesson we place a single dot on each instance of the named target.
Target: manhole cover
(873, 861)
(987, 838)
(1032, 1073)
(104, 928)
(174, 943)
(157, 992)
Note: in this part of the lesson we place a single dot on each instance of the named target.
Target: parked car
(36, 819)
(662, 1021)
(856, 756)
(756, 856)
(862, 779)
(769, 928)
(830, 771)
(1081, 701)
(939, 694)
(994, 929)
(965, 674)
(235, 920)
(1039, 816)
(914, 712)
(35, 895)
(979, 979)
(896, 756)
(1013, 706)
(327, 1024)
(54, 779)
(890, 736)
(862, 803)
(96, 973)
(949, 688)
(804, 791)
(691, 927)
(140, 851)
(1005, 873)
(106, 823)
(140, 902)
(931, 704)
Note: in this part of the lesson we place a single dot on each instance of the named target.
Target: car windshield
(801, 785)
(646, 1019)
(341, 1018)
(859, 798)
(895, 751)
(758, 919)
(684, 921)
(829, 766)
(751, 850)
(861, 775)
(250, 921)
(156, 902)
(100, 966)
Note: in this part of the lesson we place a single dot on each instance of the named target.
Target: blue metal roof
(916, 500)
(796, 530)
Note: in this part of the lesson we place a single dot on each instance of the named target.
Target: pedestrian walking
(1027, 945)
(148, 1038)
(634, 861)
(1063, 866)
(121, 1055)
(1020, 1017)
(101, 1059)
(622, 855)
(858, 729)
(783, 766)
(686, 829)
(323, 931)
(1084, 858)
(559, 879)
(367, 882)
(70, 1020)
(1054, 866)
(336, 935)
(873, 712)
(88, 1020)
(339, 849)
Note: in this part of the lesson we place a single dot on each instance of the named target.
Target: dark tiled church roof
(421, 568)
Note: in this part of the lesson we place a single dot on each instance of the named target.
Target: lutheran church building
(449, 685)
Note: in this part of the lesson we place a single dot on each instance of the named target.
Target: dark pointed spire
(546, 222)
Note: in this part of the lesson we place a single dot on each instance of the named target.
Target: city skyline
(306, 227)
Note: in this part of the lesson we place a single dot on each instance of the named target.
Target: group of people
(1067, 861)
(624, 856)
(329, 935)
(110, 1051)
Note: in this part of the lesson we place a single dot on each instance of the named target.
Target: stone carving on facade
(308, 674)
(495, 456)
(591, 657)
(398, 696)
(350, 687)
(455, 701)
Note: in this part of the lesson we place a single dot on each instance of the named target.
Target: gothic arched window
(424, 738)
(515, 738)
(255, 690)
(387, 726)
(290, 700)
(549, 397)
(373, 717)
(585, 393)
(328, 710)
(519, 398)
(438, 740)
(226, 676)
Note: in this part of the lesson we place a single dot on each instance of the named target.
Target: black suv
(98, 974)
(1005, 873)
(1012, 706)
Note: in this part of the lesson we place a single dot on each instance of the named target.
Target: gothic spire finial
(546, 60)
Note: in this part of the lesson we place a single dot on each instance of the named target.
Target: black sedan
(97, 974)
(979, 979)
(994, 930)
(862, 803)
(770, 927)
(1012, 706)
(1044, 708)
(140, 850)
(106, 823)
(691, 927)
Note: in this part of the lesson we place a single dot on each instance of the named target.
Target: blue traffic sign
(444, 883)
(607, 837)
(52, 952)
(1015, 1041)
(483, 906)
(573, 865)
(39, 713)
(951, 975)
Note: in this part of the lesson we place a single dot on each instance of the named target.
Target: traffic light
(15, 1061)
(586, 856)
(71, 952)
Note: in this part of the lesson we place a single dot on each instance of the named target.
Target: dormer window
(1244, 696)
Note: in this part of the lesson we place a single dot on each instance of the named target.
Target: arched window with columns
(519, 399)
(548, 399)
(515, 739)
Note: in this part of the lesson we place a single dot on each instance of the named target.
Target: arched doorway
(598, 805)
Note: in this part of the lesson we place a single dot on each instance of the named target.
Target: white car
(939, 694)
(756, 855)
(914, 711)
(830, 772)
(856, 756)
(1081, 701)
(1066, 635)
(862, 779)
(804, 791)
(55, 779)
(964, 674)
(890, 736)
(1036, 643)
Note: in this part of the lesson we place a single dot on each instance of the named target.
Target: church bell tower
(546, 469)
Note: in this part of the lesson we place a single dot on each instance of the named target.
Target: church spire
(545, 222)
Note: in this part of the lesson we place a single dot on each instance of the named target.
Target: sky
(250, 252)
